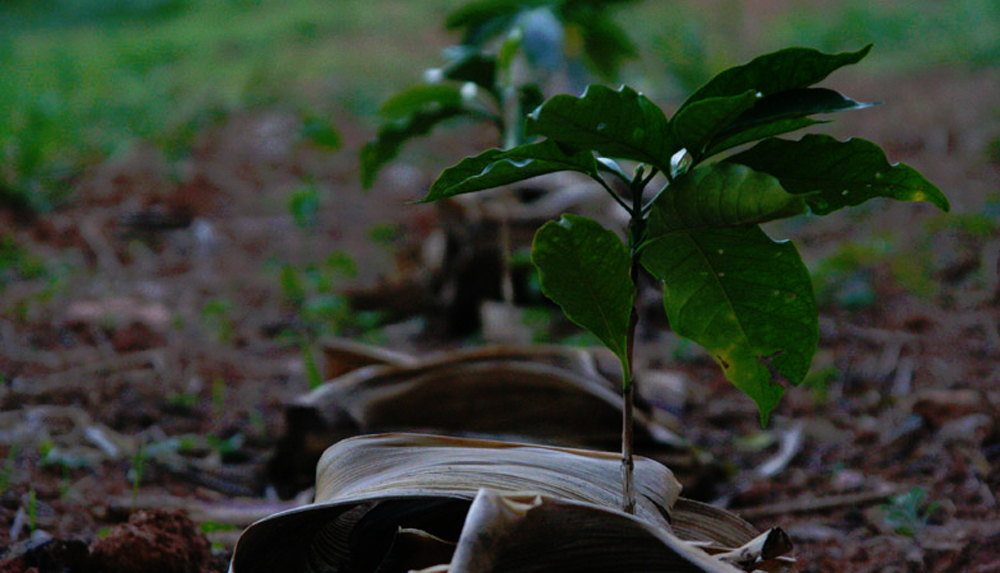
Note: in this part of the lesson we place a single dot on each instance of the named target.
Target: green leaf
(720, 195)
(837, 174)
(584, 268)
(776, 72)
(620, 123)
(745, 298)
(483, 20)
(698, 123)
(420, 98)
(780, 113)
(495, 168)
(469, 65)
(393, 135)
(605, 43)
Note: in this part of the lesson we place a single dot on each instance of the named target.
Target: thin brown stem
(636, 235)
(628, 464)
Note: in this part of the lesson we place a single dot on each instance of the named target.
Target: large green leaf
(495, 168)
(838, 174)
(746, 299)
(780, 113)
(584, 268)
(699, 122)
(776, 72)
(620, 123)
(720, 195)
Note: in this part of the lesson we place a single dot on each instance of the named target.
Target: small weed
(8, 468)
(907, 514)
(185, 401)
(818, 382)
(321, 133)
(139, 460)
(219, 394)
(304, 206)
(217, 316)
(17, 264)
(384, 234)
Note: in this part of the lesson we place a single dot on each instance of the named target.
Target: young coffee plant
(695, 224)
(510, 51)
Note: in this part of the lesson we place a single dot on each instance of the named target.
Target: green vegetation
(909, 513)
(86, 79)
(694, 224)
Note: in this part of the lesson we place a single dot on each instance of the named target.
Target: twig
(791, 443)
(71, 377)
(812, 504)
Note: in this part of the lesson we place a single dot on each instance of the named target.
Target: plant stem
(637, 231)
(628, 391)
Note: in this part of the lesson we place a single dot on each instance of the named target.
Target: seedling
(509, 52)
(695, 223)
(908, 515)
(136, 471)
(32, 510)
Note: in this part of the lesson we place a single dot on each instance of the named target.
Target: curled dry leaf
(537, 533)
(547, 395)
(396, 502)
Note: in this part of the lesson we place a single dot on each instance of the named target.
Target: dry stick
(812, 504)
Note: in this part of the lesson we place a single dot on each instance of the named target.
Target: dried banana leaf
(396, 502)
(528, 534)
(547, 395)
(370, 486)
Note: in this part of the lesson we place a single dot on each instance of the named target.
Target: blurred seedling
(216, 315)
(910, 513)
(511, 55)
(135, 473)
(32, 510)
(7, 470)
(304, 205)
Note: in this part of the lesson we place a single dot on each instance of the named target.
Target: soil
(147, 370)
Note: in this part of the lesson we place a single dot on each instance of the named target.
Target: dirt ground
(159, 323)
